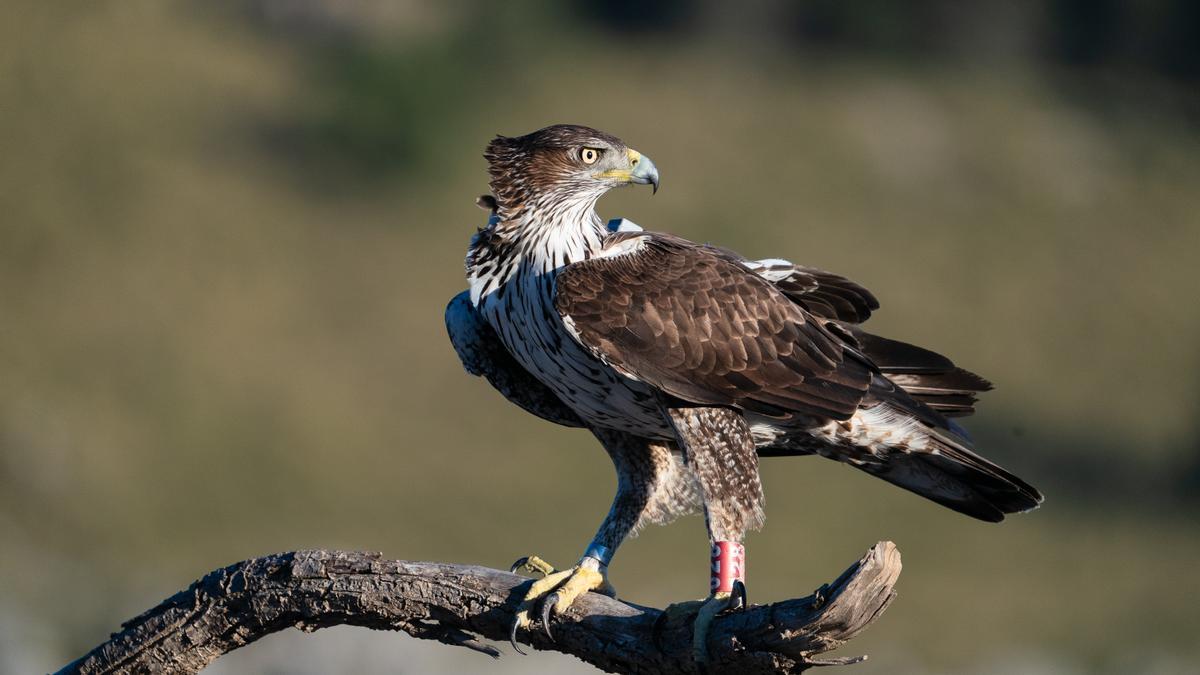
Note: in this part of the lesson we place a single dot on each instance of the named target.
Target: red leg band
(728, 566)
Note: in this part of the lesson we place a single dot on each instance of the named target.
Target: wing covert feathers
(705, 329)
(927, 376)
(825, 294)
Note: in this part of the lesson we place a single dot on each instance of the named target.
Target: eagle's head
(561, 165)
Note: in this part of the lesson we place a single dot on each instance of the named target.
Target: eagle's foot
(704, 611)
(555, 592)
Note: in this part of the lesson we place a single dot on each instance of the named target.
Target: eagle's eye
(589, 155)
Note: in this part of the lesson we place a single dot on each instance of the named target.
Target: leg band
(599, 552)
(728, 566)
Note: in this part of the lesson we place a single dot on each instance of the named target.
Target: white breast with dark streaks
(520, 307)
(523, 314)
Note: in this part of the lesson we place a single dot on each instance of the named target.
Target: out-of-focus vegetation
(228, 230)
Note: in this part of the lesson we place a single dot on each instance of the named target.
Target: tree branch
(457, 604)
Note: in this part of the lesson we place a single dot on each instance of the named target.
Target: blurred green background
(228, 231)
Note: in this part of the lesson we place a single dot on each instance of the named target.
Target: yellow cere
(622, 174)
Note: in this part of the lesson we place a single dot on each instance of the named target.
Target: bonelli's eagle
(688, 362)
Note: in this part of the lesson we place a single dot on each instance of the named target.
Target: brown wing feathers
(927, 376)
(829, 295)
(823, 293)
(707, 330)
(930, 377)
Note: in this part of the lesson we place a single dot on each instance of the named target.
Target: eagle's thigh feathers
(653, 485)
(675, 492)
(720, 452)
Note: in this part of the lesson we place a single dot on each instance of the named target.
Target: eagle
(688, 362)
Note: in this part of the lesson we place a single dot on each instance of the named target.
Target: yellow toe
(568, 584)
(580, 582)
(547, 583)
(535, 565)
(522, 619)
(716, 603)
(536, 590)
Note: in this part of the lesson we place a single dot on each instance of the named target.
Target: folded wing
(701, 327)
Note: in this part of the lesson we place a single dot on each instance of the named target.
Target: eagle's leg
(647, 485)
(720, 451)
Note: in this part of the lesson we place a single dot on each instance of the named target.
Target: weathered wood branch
(460, 604)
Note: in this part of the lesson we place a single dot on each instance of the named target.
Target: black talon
(512, 637)
(738, 599)
(547, 607)
(521, 562)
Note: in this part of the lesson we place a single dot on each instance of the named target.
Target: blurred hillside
(228, 231)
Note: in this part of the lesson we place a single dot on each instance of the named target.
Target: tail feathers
(952, 475)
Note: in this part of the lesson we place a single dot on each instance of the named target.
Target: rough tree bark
(457, 604)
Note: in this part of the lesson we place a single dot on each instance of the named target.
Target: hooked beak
(643, 171)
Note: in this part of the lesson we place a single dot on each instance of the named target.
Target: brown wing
(925, 375)
(825, 294)
(705, 329)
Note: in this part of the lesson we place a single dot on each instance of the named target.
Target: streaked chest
(521, 310)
